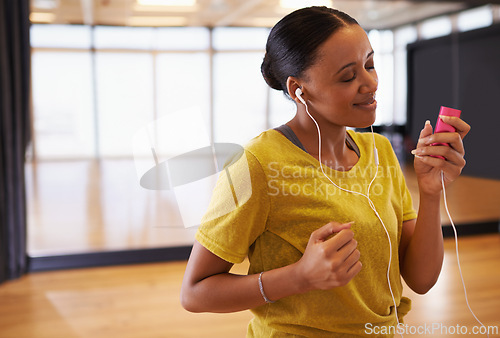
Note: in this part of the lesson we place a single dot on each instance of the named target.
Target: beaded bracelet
(262, 289)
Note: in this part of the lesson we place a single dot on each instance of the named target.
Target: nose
(370, 81)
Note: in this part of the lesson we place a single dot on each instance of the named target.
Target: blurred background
(102, 69)
(94, 93)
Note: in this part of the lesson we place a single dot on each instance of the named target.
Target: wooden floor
(143, 300)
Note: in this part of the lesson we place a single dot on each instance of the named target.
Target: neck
(334, 151)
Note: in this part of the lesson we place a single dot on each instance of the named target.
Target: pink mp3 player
(442, 127)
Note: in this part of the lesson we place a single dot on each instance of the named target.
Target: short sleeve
(409, 212)
(238, 210)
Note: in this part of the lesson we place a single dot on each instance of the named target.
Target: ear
(292, 84)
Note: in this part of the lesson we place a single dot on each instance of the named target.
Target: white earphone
(298, 93)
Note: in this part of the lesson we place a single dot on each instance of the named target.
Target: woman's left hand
(428, 167)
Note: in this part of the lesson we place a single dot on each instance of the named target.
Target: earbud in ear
(298, 93)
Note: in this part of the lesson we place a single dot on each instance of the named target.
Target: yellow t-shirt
(267, 204)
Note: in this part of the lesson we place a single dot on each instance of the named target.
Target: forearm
(424, 256)
(226, 292)
(327, 262)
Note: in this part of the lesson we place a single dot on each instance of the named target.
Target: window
(124, 99)
(436, 27)
(182, 38)
(239, 38)
(90, 103)
(62, 102)
(109, 37)
(60, 36)
(240, 93)
(281, 108)
(182, 79)
(382, 44)
(402, 37)
(239, 97)
(475, 18)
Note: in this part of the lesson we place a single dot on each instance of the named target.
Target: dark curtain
(14, 134)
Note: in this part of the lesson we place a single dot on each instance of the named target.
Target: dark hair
(293, 42)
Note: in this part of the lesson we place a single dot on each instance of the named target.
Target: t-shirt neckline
(351, 133)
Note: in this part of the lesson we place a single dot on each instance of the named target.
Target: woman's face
(340, 86)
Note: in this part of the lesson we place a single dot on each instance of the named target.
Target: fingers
(449, 146)
(353, 265)
(453, 139)
(341, 246)
(328, 261)
(451, 165)
(426, 131)
(329, 229)
(342, 249)
(440, 153)
(460, 125)
(436, 144)
(346, 263)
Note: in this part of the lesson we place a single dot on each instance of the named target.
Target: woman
(329, 229)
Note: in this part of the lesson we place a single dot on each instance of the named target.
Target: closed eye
(369, 68)
(370, 65)
(351, 79)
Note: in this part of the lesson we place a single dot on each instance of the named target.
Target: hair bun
(267, 73)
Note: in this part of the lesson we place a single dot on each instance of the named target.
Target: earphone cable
(372, 205)
(456, 250)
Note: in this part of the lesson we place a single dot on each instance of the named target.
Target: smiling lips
(369, 102)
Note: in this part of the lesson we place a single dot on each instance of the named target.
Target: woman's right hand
(329, 262)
